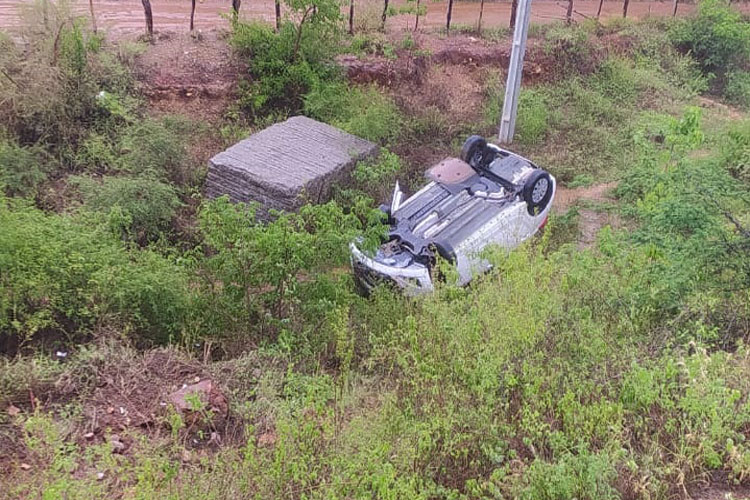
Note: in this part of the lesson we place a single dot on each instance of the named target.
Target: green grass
(619, 370)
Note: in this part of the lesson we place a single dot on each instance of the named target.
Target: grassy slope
(616, 371)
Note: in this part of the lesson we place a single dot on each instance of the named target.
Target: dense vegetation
(617, 370)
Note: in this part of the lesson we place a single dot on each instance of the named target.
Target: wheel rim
(539, 191)
(476, 158)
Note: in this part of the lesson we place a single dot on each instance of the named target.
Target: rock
(13, 411)
(99, 476)
(25, 466)
(212, 399)
(117, 446)
(89, 435)
(286, 164)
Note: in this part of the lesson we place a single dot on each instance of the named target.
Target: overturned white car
(489, 197)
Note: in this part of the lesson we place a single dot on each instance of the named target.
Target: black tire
(445, 251)
(537, 191)
(473, 150)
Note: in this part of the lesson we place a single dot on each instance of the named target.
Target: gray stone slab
(286, 164)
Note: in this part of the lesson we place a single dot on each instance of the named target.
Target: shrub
(615, 78)
(378, 172)
(67, 274)
(717, 37)
(49, 93)
(139, 208)
(259, 264)
(98, 153)
(737, 88)
(652, 51)
(365, 112)
(23, 169)
(376, 177)
(155, 148)
(736, 151)
(580, 476)
(284, 66)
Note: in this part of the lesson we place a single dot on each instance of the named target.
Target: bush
(155, 148)
(139, 208)
(652, 51)
(717, 36)
(378, 172)
(365, 112)
(737, 89)
(67, 274)
(49, 93)
(64, 93)
(736, 151)
(259, 264)
(581, 476)
(616, 78)
(23, 169)
(285, 66)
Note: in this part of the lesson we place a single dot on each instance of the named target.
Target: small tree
(236, 9)
(192, 14)
(277, 9)
(625, 8)
(599, 10)
(513, 11)
(385, 14)
(569, 12)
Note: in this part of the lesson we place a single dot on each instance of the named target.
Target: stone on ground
(286, 165)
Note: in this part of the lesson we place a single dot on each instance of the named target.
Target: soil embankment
(122, 17)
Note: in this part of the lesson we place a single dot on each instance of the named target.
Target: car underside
(489, 196)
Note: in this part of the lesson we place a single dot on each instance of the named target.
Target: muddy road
(123, 17)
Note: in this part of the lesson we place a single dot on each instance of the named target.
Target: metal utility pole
(515, 69)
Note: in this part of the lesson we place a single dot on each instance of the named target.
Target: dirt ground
(126, 16)
(590, 220)
(191, 75)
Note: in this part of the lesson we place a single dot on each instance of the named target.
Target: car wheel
(537, 191)
(473, 150)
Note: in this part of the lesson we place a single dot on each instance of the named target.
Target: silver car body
(459, 213)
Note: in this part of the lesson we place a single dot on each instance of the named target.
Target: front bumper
(413, 279)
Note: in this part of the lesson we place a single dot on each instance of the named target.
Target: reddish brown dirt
(121, 391)
(590, 221)
(541, 64)
(126, 16)
(197, 74)
(567, 197)
(719, 487)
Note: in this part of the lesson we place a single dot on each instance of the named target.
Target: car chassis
(490, 196)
